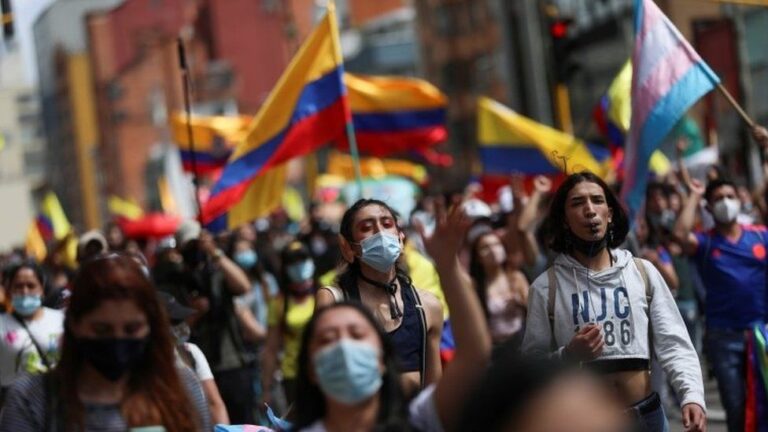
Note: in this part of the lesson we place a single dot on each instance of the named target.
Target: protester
(117, 368)
(348, 378)
(371, 244)
(209, 281)
(635, 311)
(502, 290)
(30, 332)
(289, 314)
(189, 355)
(732, 261)
(90, 244)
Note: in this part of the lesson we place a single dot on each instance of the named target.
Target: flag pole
(350, 127)
(187, 80)
(747, 119)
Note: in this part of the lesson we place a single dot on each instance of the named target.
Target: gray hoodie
(615, 299)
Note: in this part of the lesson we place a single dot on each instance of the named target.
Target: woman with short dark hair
(599, 306)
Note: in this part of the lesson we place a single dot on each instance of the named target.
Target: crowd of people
(552, 312)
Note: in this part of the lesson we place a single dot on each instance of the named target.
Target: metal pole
(187, 79)
(350, 127)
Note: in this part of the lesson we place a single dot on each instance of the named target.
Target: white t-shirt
(17, 352)
(202, 368)
(422, 414)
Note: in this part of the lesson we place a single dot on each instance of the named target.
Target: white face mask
(726, 210)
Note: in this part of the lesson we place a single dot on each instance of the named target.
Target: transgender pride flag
(668, 77)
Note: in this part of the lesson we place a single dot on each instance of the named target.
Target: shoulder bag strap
(39, 349)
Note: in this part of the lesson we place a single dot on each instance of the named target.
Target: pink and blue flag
(668, 77)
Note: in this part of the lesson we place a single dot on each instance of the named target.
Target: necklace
(390, 288)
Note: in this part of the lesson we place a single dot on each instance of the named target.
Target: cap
(295, 251)
(188, 230)
(88, 238)
(176, 311)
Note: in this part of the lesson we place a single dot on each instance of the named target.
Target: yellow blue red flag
(394, 114)
(307, 109)
(511, 143)
(214, 138)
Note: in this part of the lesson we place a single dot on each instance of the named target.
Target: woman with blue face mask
(289, 313)
(348, 374)
(29, 333)
(371, 245)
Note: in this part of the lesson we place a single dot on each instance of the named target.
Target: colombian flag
(307, 109)
(510, 143)
(214, 138)
(395, 114)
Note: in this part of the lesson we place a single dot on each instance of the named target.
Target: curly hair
(556, 231)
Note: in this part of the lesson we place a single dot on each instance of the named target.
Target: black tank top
(409, 339)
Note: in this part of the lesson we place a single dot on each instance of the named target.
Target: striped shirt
(25, 408)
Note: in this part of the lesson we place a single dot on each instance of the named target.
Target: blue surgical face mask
(26, 305)
(381, 251)
(246, 259)
(301, 271)
(348, 371)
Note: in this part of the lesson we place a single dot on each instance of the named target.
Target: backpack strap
(551, 294)
(646, 284)
(648, 298)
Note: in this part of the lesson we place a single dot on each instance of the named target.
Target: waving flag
(668, 77)
(511, 143)
(307, 109)
(214, 138)
(395, 114)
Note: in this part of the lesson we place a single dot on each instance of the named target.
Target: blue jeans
(690, 314)
(653, 420)
(726, 352)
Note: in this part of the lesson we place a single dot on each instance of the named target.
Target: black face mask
(589, 248)
(112, 357)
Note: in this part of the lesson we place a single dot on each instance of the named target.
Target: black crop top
(409, 339)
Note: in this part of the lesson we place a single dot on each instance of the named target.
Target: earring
(610, 234)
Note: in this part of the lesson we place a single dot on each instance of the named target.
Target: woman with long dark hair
(502, 289)
(371, 244)
(117, 368)
(600, 306)
(348, 374)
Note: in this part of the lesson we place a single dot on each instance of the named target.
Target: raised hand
(696, 187)
(542, 184)
(451, 225)
(760, 134)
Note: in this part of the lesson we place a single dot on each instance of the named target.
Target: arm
(673, 346)
(269, 364)
(235, 278)
(526, 223)
(434, 313)
(683, 228)
(216, 405)
(253, 331)
(324, 297)
(685, 176)
(667, 270)
(473, 341)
